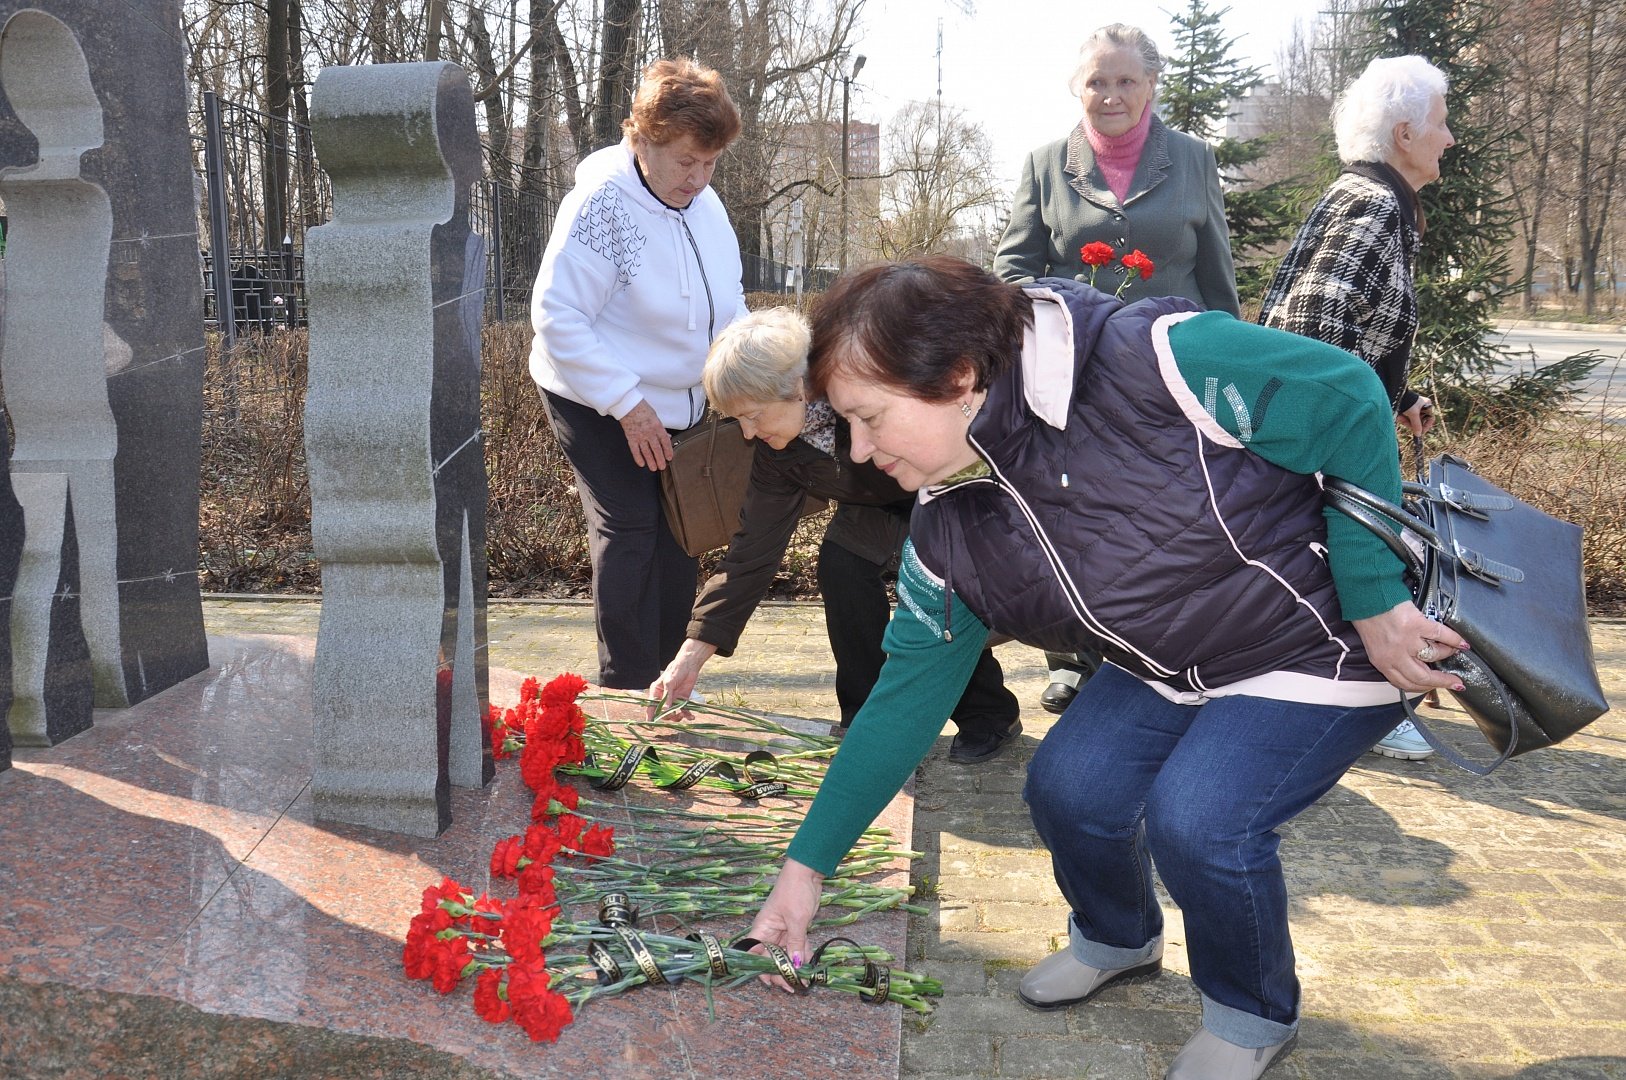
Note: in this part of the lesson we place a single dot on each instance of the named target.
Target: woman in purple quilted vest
(1141, 480)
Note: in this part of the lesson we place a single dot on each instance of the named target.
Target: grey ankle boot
(1206, 1056)
(1060, 979)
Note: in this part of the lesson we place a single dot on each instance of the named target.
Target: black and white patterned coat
(1349, 279)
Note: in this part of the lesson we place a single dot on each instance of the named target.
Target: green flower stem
(681, 958)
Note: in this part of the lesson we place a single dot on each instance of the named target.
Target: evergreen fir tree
(1462, 271)
(1194, 92)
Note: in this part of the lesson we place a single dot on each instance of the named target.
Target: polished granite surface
(173, 909)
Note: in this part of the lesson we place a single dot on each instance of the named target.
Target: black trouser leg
(643, 582)
(986, 704)
(856, 609)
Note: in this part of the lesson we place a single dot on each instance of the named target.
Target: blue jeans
(1126, 777)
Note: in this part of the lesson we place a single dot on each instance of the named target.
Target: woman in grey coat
(1124, 180)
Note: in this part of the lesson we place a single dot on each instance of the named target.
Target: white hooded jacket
(631, 293)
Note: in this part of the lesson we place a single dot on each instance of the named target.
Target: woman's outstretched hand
(676, 683)
(1402, 642)
(785, 917)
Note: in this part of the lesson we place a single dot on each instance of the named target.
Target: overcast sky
(1007, 64)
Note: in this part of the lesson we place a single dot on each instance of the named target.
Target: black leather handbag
(1507, 577)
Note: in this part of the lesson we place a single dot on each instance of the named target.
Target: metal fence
(265, 190)
(767, 275)
(516, 225)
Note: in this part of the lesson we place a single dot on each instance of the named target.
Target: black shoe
(969, 748)
(1057, 696)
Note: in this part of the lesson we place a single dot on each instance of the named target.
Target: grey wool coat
(1174, 213)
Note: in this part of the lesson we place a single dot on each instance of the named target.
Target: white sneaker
(1405, 743)
(1206, 1056)
(1060, 979)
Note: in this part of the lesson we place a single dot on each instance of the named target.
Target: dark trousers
(643, 582)
(1085, 663)
(856, 610)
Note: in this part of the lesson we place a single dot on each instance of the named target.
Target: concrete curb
(1543, 324)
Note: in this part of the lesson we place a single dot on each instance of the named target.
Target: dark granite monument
(11, 553)
(101, 348)
(392, 439)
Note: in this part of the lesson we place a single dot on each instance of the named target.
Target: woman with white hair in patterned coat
(1349, 278)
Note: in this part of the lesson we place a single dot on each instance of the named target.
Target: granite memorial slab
(392, 440)
(205, 924)
(101, 347)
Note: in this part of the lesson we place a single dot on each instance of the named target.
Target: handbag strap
(1489, 678)
(1359, 504)
(1342, 493)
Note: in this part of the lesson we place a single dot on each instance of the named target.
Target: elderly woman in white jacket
(641, 272)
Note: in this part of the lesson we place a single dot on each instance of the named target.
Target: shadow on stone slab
(54, 1032)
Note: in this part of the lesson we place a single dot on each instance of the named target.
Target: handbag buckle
(1473, 503)
(1486, 569)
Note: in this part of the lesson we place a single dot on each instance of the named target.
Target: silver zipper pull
(1063, 479)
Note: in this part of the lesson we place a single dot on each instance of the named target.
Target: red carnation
(541, 844)
(569, 827)
(529, 689)
(418, 957)
(498, 731)
(1096, 253)
(446, 890)
(541, 1012)
(573, 751)
(491, 921)
(536, 879)
(598, 842)
(526, 924)
(537, 762)
(553, 800)
(1137, 262)
(563, 690)
(487, 1001)
(505, 857)
(551, 723)
(450, 959)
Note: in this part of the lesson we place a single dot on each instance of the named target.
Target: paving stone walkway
(1446, 926)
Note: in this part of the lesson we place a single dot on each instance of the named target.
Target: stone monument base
(174, 910)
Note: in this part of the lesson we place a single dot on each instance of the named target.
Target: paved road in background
(1608, 381)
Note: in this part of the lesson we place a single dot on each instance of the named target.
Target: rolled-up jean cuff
(1106, 957)
(1244, 1028)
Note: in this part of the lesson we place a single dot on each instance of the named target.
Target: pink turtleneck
(1117, 155)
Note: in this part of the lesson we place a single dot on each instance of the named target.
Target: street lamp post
(846, 90)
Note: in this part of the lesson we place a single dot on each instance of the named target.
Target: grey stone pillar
(101, 346)
(392, 438)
